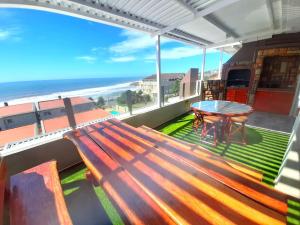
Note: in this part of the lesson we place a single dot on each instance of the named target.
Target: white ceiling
(208, 23)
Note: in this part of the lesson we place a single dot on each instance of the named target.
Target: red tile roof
(57, 123)
(59, 103)
(17, 134)
(91, 115)
(62, 122)
(16, 109)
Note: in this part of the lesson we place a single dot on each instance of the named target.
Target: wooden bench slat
(209, 200)
(36, 197)
(196, 148)
(134, 205)
(211, 166)
(251, 188)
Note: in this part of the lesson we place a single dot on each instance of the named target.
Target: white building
(56, 108)
(148, 84)
(14, 116)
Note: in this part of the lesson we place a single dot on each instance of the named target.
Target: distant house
(53, 114)
(56, 108)
(13, 116)
(148, 84)
(17, 122)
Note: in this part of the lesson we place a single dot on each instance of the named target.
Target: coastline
(111, 91)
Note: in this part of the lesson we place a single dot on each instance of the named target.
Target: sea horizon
(40, 90)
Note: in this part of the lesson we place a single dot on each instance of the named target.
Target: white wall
(19, 120)
(288, 180)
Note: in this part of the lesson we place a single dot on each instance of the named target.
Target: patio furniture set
(228, 117)
(150, 178)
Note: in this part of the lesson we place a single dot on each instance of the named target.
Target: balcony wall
(65, 153)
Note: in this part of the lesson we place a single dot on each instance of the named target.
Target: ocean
(31, 91)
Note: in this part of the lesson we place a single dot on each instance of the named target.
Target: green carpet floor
(264, 152)
(264, 149)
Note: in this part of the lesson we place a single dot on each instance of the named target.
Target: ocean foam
(89, 92)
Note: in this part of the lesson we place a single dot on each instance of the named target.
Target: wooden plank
(210, 166)
(227, 175)
(134, 205)
(202, 151)
(2, 188)
(36, 197)
(191, 196)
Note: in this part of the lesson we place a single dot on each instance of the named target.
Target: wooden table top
(225, 108)
(190, 187)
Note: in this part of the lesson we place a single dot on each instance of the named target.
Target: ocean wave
(89, 92)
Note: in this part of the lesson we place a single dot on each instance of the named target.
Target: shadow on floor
(264, 149)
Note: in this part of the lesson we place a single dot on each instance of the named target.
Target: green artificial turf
(76, 174)
(264, 149)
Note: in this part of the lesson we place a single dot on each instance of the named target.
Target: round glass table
(222, 108)
(225, 109)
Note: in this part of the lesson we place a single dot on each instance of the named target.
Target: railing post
(220, 64)
(158, 70)
(70, 113)
(129, 101)
(202, 73)
(162, 92)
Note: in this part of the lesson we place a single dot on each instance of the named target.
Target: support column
(158, 71)
(203, 64)
(220, 64)
(200, 85)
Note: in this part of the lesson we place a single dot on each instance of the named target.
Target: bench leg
(89, 176)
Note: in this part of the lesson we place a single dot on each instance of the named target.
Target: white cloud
(97, 49)
(134, 42)
(87, 59)
(11, 33)
(123, 59)
(179, 53)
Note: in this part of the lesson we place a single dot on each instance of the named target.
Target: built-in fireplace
(237, 85)
(238, 78)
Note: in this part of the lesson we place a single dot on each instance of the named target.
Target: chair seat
(239, 119)
(212, 119)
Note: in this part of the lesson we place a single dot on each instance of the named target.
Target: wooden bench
(219, 169)
(36, 197)
(208, 165)
(257, 174)
(131, 201)
(186, 193)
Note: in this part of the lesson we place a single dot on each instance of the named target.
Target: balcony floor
(90, 205)
(264, 150)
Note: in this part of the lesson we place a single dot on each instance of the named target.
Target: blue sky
(38, 45)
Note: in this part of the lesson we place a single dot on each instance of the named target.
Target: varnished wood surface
(229, 176)
(36, 197)
(204, 152)
(129, 147)
(2, 188)
(134, 205)
(191, 187)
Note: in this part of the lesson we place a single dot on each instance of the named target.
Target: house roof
(165, 76)
(91, 115)
(56, 123)
(59, 103)
(17, 134)
(16, 109)
(62, 122)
